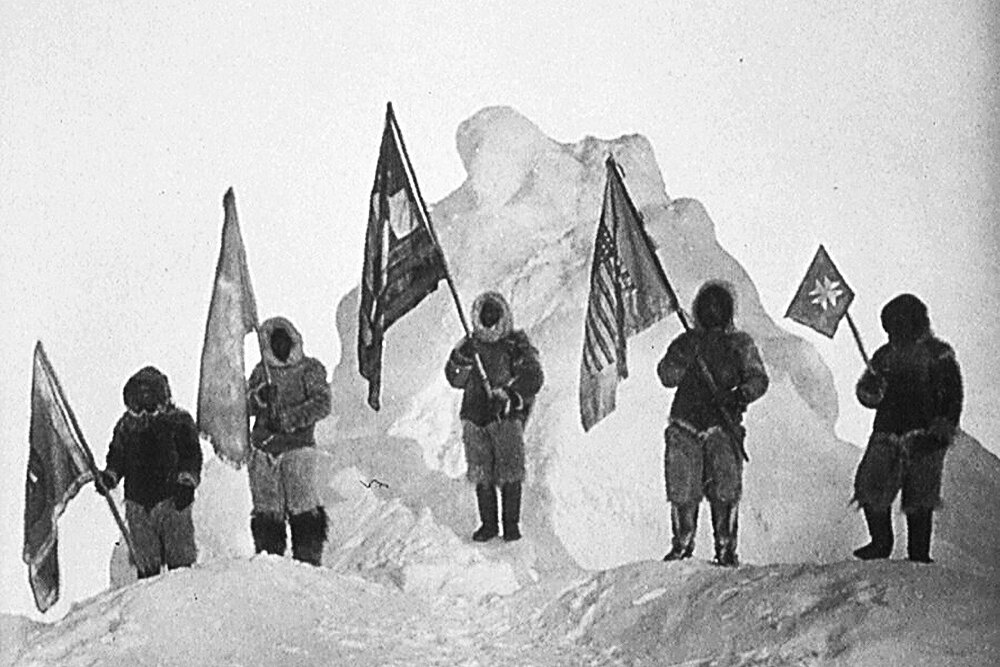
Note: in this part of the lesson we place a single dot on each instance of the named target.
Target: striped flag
(823, 296)
(59, 464)
(222, 408)
(629, 292)
(402, 262)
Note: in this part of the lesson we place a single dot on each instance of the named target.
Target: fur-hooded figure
(914, 381)
(714, 306)
(298, 393)
(147, 392)
(155, 445)
(914, 384)
(729, 353)
(509, 359)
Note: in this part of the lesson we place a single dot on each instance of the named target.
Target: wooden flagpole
(702, 366)
(412, 178)
(89, 456)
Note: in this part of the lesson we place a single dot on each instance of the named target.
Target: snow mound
(855, 614)
(275, 611)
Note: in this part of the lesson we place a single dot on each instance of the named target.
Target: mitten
(183, 495)
(105, 481)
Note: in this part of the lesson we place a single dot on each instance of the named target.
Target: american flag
(628, 293)
(402, 262)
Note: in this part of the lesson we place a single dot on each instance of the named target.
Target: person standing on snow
(493, 420)
(914, 384)
(702, 456)
(287, 401)
(155, 448)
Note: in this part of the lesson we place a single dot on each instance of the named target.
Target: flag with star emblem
(823, 297)
(402, 261)
(628, 293)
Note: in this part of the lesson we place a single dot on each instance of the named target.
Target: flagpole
(702, 366)
(412, 178)
(857, 339)
(89, 456)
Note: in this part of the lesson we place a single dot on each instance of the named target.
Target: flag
(402, 262)
(628, 293)
(222, 409)
(58, 466)
(823, 297)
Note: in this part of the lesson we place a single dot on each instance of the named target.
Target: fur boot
(880, 528)
(268, 534)
(918, 535)
(309, 536)
(684, 524)
(725, 523)
(510, 494)
(486, 499)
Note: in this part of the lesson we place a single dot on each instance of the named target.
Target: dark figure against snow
(283, 456)
(702, 457)
(155, 448)
(493, 421)
(915, 386)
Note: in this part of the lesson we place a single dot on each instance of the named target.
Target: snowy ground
(270, 611)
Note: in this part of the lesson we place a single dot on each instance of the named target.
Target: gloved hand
(872, 387)
(941, 430)
(266, 394)
(733, 399)
(499, 401)
(105, 482)
(183, 495)
(464, 353)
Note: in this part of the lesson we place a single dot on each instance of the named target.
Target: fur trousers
(494, 453)
(897, 462)
(698, 465)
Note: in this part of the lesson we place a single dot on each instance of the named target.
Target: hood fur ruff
(724, 284)
(267, 329)
(504, 325)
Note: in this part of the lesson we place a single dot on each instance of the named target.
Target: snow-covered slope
(273, 611)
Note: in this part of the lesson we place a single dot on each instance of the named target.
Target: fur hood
(267, 329)
(499, 330)
(712, 286)
(152, 380)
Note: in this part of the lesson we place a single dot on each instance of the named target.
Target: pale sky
(873, 130)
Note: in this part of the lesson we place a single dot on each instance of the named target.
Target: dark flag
(823, 297)
(222, 409)
(628, 293)
(58, 466)
(402, 262)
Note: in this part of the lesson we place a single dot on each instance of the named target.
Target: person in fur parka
(493, 420)
(701, 456)
(156, 450)
(914, 384)
(286, 402)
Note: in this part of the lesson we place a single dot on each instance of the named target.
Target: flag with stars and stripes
(402, 264)
(629, 292)
(823, 297)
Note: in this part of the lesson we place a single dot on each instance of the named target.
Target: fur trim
(711, 284)
(152, 380)
(499, 330)
(267, 328)
(188, 479)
